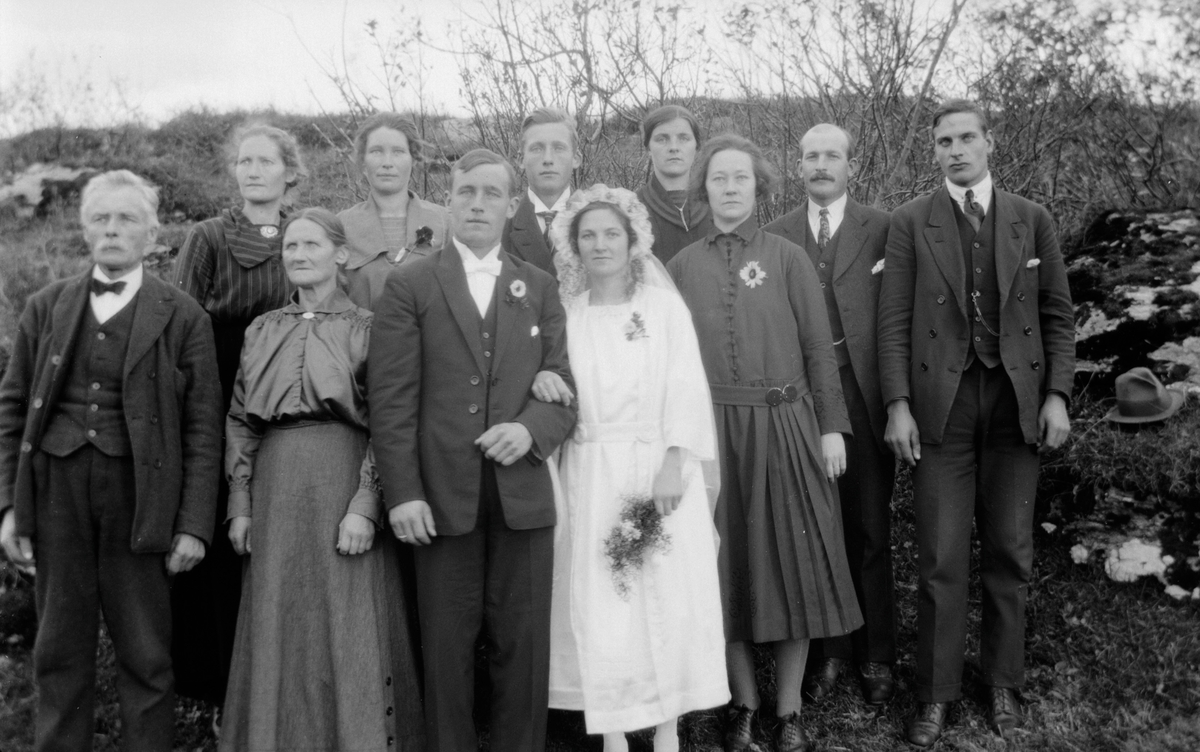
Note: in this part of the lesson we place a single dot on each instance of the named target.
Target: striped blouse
(233, 267)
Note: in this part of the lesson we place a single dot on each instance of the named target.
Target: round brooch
(268, 231)
(307, 315)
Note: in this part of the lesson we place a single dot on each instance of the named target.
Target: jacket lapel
(453, 279)
(154, 309)
(506, 313)
(1010, 239)
(942, 236)
(851, 241)
(67, 316)
(365, 233)
(527, 233)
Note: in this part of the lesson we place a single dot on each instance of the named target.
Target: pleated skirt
(782, 562)
(322, 657)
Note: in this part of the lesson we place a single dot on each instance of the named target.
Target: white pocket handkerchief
(878, 267)
(1032, 263)
(534, 331)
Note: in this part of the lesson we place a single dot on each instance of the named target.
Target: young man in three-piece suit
(976, 357)
(457, 340)
(845, 241)
(110, 427)
(549, 154)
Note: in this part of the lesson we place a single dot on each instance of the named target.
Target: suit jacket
(862, 237)
(430, 398)
(924, 310)
(171, 398)
(523, 238)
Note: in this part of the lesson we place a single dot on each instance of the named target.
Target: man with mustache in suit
(845, 241)
(977, 360)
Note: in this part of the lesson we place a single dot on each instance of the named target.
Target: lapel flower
(636, 328)
(878, 267)
(752, 274)
(516, 294)
(1032, 263)
(424, 237)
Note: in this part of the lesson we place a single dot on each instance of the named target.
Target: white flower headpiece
(572, 278)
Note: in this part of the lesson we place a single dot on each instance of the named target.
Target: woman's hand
(355, 534)
(548, 386)
(833, 449)
(239, 535)
(668, 483)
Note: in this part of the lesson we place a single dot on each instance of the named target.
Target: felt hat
(1141, 398)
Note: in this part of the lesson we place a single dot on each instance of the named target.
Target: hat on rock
(1141, 398)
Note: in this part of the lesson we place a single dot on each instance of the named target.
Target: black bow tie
(99, 288)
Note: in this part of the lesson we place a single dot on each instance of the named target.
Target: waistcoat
(823, 262)
(979, 255)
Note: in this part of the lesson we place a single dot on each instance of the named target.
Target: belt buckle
(790, 393)
(775, 395)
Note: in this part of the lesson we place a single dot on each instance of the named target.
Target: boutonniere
(516, 294)
(636, 328)
(752, 274)
(1032, 263)
(424, 237)
(878, 267)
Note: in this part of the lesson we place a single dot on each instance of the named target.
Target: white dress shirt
(837, 211)
(481, 274)
(538, 207)
(981, 192)
(105, 306)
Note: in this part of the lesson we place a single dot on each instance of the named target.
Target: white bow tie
(486, 266)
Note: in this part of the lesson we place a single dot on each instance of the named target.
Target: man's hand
(412, 522)
(548, 386)
(1053, 422)
(902, 436)
(19, 550)
(668, 483)
(239, 535)
(505, 443)
(833, 450)
(186, 552)
(355, 534)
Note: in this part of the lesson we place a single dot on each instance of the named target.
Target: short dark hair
(549, 116)
(666, 114)
(851, 142)
(323, 218)
(955, 106)
(766, 177)
(396, 123)
(478, 158)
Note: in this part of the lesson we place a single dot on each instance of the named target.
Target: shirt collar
(559, 205)
(837, 210)
(132, 279)
(981, 192)
(466, 253)
(336, 302)
(745, 231)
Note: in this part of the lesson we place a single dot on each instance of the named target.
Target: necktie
(99, 288)
(486, 266)
(973, 210)
(547, 218)
(823, 235)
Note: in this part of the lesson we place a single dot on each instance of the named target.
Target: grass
(1110, 668)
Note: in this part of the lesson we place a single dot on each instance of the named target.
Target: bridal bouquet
(638, 534)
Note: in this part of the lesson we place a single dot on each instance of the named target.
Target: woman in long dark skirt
(231, 265)
(764, 339)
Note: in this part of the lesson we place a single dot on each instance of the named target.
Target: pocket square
(878, 267)
(534, 331)
(1032, 263)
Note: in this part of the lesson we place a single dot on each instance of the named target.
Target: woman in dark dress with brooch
(231, 265)
(765, 343)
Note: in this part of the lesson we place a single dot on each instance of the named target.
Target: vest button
(978, 339)
(37, 402)
(96, 385)
(473, 409)
(822, 285)
(487, 335)
(941, 300)
(100, 335)
(822, 264)
(91, 433)
(932, 333)
(94, 407)
(153, 418)
(153, 374)
(1035, 365)
(924, 367)
(389, 711)
(474, 381)
(26, 447)
(976, 245)
(56, 360)
(487, 353)
(158, 463)
(1020, 296)
(1028, 330)
(978, 270)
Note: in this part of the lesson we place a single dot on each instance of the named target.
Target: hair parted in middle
(666, 114)
(416, 147)
(564, 233)
(323, 218)
(478, 158)
(289, 148)
(548, 116)
(766, 177)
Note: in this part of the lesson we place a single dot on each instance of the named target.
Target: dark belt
(754, 396)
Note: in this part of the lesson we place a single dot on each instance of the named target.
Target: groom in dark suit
(845, 241)
(457, 340)
(977, 360)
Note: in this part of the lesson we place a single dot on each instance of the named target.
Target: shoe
(1004, 710)
(927, 725)
(216, 724)
(738, 731)
(791, 736)
(822, 680)
(876, 681)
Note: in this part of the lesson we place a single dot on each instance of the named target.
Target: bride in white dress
(636, 630)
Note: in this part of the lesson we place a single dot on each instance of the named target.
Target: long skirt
(322, 658)
(782, 561)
